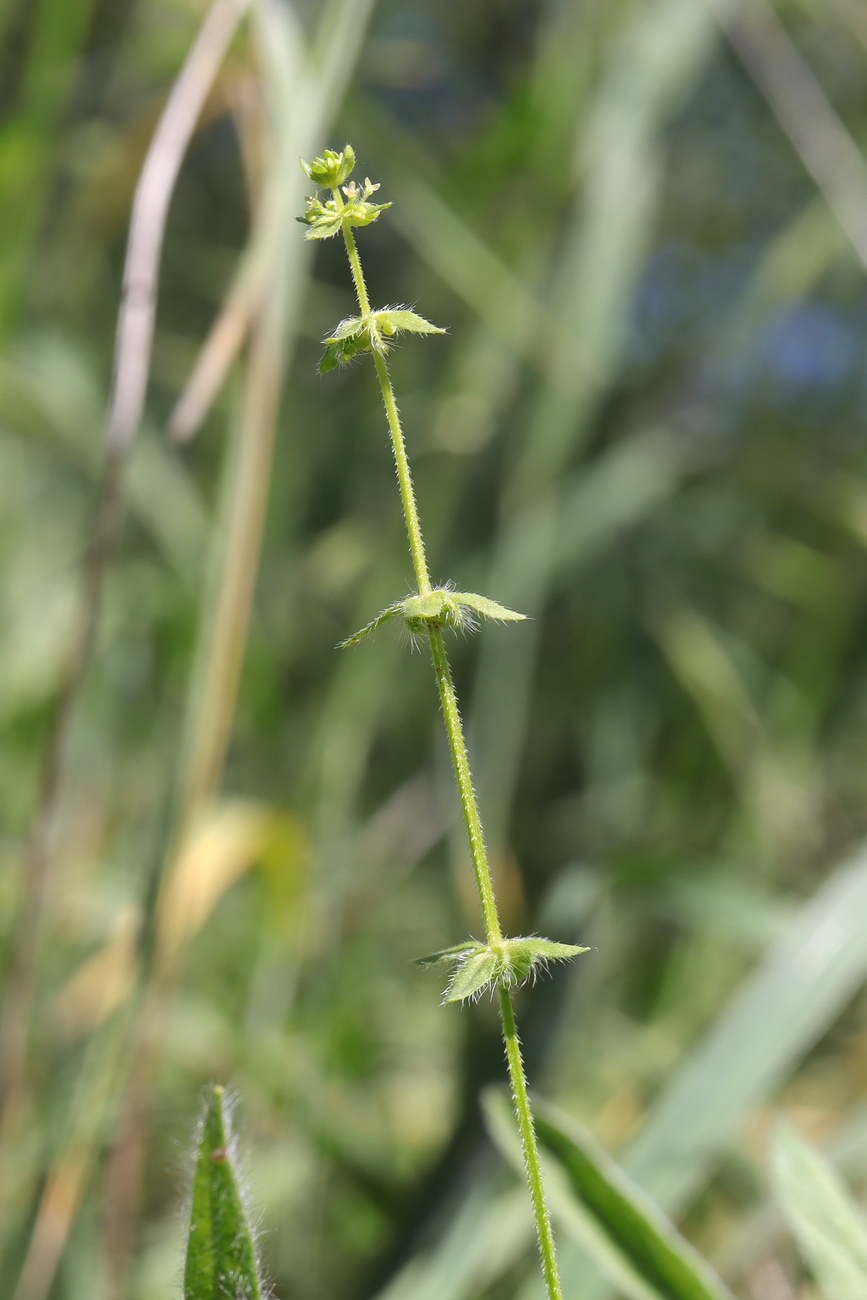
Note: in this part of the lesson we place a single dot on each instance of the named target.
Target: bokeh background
(644, 223)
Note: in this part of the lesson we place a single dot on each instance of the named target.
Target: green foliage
(221, 1256)
(369, 333)
(507, 964)
(829, 1227)
(441, 607)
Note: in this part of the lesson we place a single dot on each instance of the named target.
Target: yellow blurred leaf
(220, 848)
(229, 839)
(103, 982)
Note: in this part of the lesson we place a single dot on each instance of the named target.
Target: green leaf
(397, 320)
(522, 956)
(489, 608)
(221, 1258)
(348, 328)
(632, 1241)
(446, 608)
(472, 976)
(547, 949)
(829, 1228)
(381, 618)
(451, 954)
(331, 358)
(507, 963)
(324, 227)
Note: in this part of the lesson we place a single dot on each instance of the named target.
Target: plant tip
(332, 168)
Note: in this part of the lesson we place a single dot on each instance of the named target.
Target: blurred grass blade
(297, 101)
(802, 985)
(221, 1257)
(637, 1248)
(557, 535)
(828, 1226)
(701, 662)
(132, 358)
(658, 52)
(305, 88)
(220, 847)
(630, 1220)
(485, 1237)
(153, 194)
(49, 61)
(805, 113)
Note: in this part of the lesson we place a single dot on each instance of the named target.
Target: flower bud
(332, 169)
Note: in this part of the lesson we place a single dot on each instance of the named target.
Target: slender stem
(530, 1147)
(469, 802)
(354, 261)
(404, 478)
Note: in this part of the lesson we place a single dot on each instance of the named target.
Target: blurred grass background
(645, 429)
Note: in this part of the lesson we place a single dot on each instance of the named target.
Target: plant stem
(466, 790)
(404, 478)
(530, 1147)
(354, 260)
(469, 803)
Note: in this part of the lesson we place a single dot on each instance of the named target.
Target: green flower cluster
(354, 208)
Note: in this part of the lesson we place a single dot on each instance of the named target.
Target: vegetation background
(645, 224)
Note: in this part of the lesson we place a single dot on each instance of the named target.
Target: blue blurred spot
(810, 346)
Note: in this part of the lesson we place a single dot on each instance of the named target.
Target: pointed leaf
(397, 320)
(828, 1226)
(325, 227)
(330, 359)
(472, 976)
(546, 949)
(221, 1258)
(489, 608)
(450, 954)
(348, 328)
(384, 617)
(523, 957)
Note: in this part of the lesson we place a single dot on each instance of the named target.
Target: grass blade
(635, 1246)
(634, 1226)
(827, 1225)
(804, 982)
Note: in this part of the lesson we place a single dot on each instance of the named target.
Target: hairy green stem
(530, 1146)
(404, 478)
(469, 801)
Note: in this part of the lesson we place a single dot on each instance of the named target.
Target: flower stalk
(498, 963)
